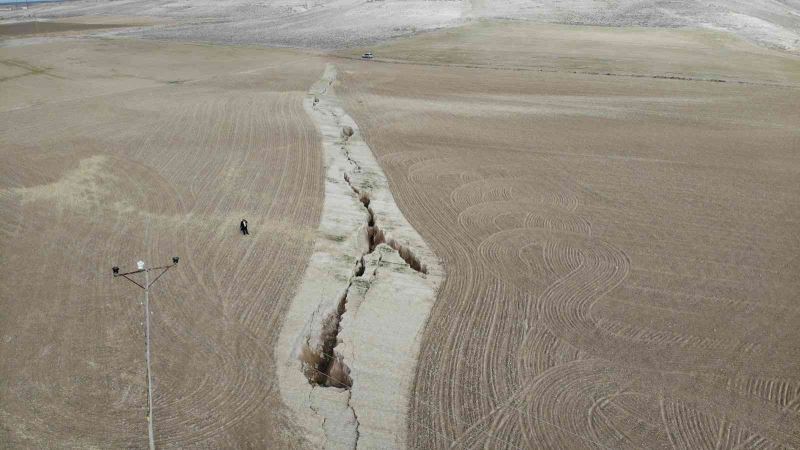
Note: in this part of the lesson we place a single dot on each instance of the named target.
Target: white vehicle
(367, 55)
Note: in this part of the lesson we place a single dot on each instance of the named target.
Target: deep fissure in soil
(325, 367)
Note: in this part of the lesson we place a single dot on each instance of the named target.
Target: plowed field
(620, 248)
(115, 151)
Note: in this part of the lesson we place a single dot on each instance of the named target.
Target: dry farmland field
(621, 250)
(114, 151)
(616, 210)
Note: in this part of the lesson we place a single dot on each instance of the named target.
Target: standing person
(243, 226)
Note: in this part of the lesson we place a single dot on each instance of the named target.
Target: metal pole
(150, 432)
(146, 288)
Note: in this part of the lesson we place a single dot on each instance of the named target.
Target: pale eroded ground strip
(349, 344)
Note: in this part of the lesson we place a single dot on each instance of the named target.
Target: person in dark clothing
(243, 227)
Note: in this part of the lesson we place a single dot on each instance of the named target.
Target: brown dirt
(621, 249)
(30, 28)
(517, 45)
(114, 151)
(621, 252)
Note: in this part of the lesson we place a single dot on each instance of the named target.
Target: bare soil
(621, 251)
(115, 151)
(616, 210)
(37, 27)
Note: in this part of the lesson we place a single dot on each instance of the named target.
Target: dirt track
(114, 151)
(621, 251)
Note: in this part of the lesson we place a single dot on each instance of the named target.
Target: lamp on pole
(140, 266)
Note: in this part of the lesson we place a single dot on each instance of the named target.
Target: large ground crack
(376, 236)
(365, 296)
(325, 366)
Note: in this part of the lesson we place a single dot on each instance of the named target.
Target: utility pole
(146, 287)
